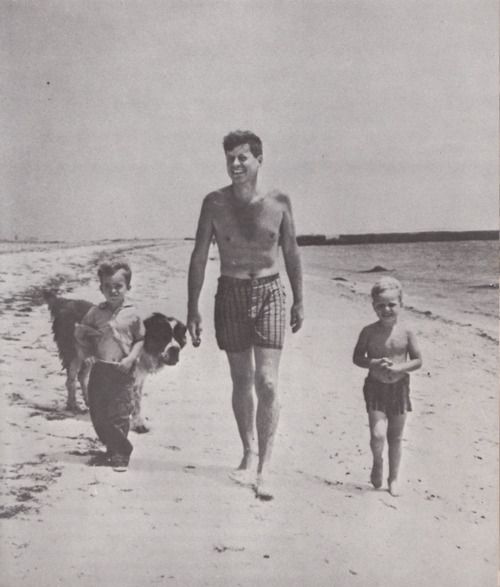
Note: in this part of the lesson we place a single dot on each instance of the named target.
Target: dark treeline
(397, 237)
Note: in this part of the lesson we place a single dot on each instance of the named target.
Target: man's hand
(194, 327)
(296, 316)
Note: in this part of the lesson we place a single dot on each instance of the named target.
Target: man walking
(249, 226)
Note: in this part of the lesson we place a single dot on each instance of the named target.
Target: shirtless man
(248, 226)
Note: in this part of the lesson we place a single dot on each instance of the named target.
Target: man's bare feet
(246, 461)
(393, 487)
(377, 473)
(262, 489)
(242, 477)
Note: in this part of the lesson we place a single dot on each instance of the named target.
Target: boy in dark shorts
(115, 333)
(389, 350)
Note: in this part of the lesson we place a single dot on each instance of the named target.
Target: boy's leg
(394, 439)
(378, 426)
(119, 409)
(242, 376)
(266, 386)
(98, 401)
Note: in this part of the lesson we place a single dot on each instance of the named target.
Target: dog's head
(164, 338)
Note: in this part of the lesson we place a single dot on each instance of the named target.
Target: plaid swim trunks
(390, 398)
(249, 312)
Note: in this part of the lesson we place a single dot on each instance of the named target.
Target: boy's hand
(380, 365)
(382, 362)
(392, 369)
(125, 364)
(194, 327)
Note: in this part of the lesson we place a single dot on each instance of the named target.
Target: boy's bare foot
(377, 473)
(393, 487)
(262, 489)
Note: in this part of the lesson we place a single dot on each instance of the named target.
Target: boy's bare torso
(390, 343)
(247, 234)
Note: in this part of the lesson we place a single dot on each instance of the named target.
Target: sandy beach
(175, 518)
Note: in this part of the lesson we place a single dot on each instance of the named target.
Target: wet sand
(175, 518)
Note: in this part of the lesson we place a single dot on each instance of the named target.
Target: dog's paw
(140, 428)
(76, 408)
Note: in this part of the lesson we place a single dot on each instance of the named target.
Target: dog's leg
(71, 378)
(137, 423)
(83, 378)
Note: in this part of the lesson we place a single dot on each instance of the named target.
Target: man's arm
(293, 265)
(197, 268)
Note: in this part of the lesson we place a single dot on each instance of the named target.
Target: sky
(375, 116)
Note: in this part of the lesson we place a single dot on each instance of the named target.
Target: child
(115, 333)
(389, 350)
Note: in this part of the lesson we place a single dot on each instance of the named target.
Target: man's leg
(394, 440)
(378, 427)
(242, 375)
(266, 387)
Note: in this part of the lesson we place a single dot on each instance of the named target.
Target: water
(452, 280)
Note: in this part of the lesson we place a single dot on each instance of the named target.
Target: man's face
(241, 164)
(114, 288)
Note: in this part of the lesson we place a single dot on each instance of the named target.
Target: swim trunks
(390, 398)
(249, 312)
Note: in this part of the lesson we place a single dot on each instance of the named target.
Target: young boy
(389, 350)
(115, 332)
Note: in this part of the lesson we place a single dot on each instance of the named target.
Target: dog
(163, 340)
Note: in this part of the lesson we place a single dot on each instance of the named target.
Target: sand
(175, 517)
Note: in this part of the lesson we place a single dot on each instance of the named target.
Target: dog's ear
(155, 318)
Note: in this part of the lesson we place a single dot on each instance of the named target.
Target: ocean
(455, 281)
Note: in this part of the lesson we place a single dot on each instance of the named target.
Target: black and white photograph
(249, 293)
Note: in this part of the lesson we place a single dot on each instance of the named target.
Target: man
(248, 226)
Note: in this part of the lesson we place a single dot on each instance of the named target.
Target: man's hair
(107, 269)
(387, 284)
(242, 137)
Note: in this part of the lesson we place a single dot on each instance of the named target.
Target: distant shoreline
(302, 240)
(397, 237)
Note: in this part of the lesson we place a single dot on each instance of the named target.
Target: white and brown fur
(164, 338)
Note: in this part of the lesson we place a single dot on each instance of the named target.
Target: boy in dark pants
(115, 331)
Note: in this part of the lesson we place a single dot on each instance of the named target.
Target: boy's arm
(85, 331)
(291, 256)
(414, 354)
(138, 336)
(360, 355)
(197, 266)
(128, 362)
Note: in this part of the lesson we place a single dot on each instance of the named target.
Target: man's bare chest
(244, 224)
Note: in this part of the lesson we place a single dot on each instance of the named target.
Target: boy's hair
(107, 269)
(387, 284)
(242, 137)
